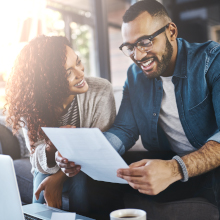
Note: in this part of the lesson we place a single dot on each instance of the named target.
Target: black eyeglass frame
(150, 38)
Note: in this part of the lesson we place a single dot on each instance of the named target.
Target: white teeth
(147, 63)
(78, 84)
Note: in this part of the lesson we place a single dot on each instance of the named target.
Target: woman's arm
(105, 110)
(52, 186)
(42, 157)
(50, 154)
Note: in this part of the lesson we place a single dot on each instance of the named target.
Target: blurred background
(93, 28)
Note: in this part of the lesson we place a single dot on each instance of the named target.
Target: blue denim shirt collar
(180, 67)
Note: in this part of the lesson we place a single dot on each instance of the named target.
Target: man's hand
(69, 168)
(52, 186)
(151, 176)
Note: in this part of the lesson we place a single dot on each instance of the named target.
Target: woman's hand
(68, 167)
(68, 126)
(51, 150)
(52, 186)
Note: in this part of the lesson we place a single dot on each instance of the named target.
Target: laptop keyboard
(29, 217)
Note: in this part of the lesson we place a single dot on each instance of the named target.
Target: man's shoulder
(198, 57)
(209, 47)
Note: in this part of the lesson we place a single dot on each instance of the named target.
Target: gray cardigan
(96, 110)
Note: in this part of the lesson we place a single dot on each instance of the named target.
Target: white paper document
(63, 216)
(89, 148)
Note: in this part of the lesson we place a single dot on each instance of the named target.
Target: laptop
(10, 202)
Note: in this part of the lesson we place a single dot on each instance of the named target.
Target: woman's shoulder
(99, 88)
(96, 83)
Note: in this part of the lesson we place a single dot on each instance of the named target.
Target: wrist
(50, 154)
(183, 168)
(60, 177)
(63, 176)
(176, 173)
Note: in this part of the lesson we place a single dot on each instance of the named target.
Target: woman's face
(75, 73)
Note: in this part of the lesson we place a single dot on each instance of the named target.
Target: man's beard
(163, 64)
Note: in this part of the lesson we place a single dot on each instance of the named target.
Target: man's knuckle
(128, 178)
(132, 164)
(127, 173)
(151, 172)
(150, 185)
(133, 181)
(141, 191)
(135, 186)
(153, 192)
(145, 172)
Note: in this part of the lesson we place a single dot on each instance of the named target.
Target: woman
(47, 88)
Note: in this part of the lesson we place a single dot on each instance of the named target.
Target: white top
(170, 122)
(96, 110)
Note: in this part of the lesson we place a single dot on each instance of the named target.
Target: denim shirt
(196, 79)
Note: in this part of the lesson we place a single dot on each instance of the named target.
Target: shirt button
(154, 139)
(154, 114)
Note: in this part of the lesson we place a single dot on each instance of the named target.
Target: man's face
(155, 62)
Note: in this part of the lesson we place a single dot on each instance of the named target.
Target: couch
(188, 209)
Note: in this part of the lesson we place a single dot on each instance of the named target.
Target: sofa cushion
(24, 179)
(13, 145)
(188, 209)
(9, 143)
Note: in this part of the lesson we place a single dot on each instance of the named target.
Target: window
(119, 62)
(54, 22)
(74, 20)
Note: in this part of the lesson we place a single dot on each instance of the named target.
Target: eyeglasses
(144, 44)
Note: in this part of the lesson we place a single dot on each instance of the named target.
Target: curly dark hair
(37, 86)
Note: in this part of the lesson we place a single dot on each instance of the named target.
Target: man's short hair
(153, 7)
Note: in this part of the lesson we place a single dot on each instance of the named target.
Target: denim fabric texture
(196, 80)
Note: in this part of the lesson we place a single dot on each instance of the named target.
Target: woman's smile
(80, 84)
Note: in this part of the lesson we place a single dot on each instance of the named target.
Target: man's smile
(147, 64)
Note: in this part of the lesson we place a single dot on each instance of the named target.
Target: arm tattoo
(203, 160)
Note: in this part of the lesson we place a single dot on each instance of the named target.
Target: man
(171, 99)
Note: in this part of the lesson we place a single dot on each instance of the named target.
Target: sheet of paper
(89, 148)
(63, 216)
